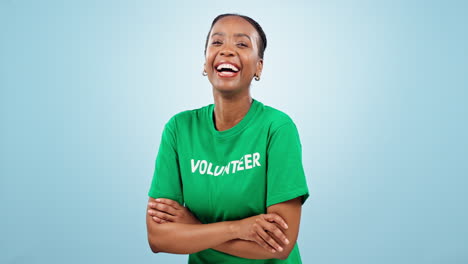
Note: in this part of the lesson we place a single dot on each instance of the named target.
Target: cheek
(209, 60)
(210, 53)
(250, 64)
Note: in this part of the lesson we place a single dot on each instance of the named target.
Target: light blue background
(378, 90)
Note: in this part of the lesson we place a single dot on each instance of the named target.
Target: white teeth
(228, 66)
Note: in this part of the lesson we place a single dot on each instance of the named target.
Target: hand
(166, 210)
(260, 229)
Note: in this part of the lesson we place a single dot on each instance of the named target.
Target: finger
(277, 219)
(161, 215)
(159, 220)
(274, 230)
(151, 212)
(268, 239)
(169, 202)
(263, 244)
(152, 205)
(164, 208)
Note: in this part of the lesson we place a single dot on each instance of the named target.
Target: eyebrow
(235, 35)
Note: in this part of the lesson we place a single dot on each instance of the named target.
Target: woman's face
(232, 55)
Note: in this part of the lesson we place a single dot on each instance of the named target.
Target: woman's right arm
(187, 238)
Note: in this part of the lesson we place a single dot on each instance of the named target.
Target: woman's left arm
(290, 211)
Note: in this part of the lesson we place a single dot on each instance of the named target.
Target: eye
(241, 44)
(216, 42)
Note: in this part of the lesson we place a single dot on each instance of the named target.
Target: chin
(227, 87)
(227, 90)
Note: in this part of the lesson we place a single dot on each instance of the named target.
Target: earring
(204, 73)
(257, 78)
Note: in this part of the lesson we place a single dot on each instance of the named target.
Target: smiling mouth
(227, 70)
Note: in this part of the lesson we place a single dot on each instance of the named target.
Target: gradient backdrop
(378, 90)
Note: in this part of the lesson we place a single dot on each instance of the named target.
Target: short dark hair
(263, 40)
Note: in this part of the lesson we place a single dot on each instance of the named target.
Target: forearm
(291, 212)
(188, 238)
(246, 249)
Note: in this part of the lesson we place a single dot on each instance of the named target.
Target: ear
(258, 72)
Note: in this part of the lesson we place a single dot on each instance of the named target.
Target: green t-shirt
(232, 174)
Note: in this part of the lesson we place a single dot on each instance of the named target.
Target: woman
(229, 183)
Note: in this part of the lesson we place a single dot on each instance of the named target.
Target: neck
(230, 109)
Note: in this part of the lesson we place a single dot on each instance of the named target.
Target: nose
(226, 52)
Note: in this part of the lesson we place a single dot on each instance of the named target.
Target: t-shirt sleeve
(167, 181)
(285, 174)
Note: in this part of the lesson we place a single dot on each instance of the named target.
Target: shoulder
(282, 130)
(185, 117)
(276, 118)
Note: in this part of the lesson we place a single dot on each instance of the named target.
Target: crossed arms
(173, 229)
